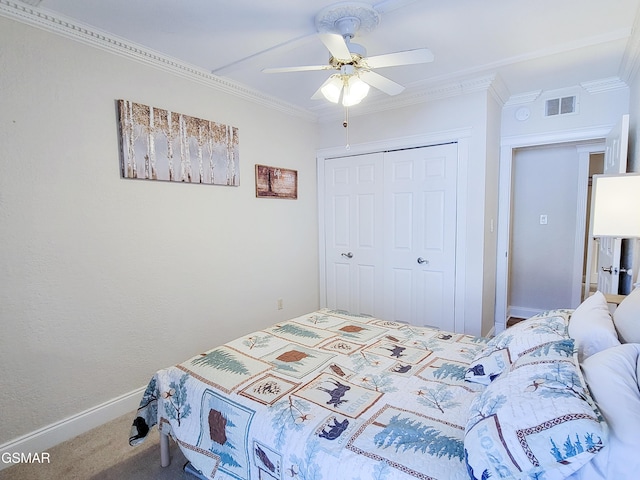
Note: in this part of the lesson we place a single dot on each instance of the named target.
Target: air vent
(560, 106)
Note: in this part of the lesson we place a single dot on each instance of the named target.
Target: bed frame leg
(165, 459)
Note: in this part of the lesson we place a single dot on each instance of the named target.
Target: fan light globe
(332, 89)
(354, 91)
(350, 88)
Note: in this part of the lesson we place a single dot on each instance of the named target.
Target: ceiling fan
(337, 25)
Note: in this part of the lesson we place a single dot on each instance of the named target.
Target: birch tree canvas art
(159, 144)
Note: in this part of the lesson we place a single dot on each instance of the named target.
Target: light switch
(543, 219)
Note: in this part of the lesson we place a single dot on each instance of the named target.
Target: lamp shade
(354, 91)
(346, 87)
(616, 206)
(332, 88)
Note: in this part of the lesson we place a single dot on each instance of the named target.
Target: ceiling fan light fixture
(336, 25)
(354, 91)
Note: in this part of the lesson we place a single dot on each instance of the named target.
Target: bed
(330, 395)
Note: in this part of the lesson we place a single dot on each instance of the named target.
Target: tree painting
(159, 144)
(276, 182)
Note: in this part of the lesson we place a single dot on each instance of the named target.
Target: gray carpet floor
(104, 453)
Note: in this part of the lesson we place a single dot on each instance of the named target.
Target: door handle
(609, 270)
(348, 254)
(423, 261)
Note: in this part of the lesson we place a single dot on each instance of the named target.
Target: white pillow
(612, 376)
(627, 318)
(591, 327)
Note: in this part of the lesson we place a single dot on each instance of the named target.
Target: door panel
(434, 283)
(353, 231)
(398, 304)
(402, 221)
(366, 220)
(420, 206)
(433, 221)
(615, 161)
(608, 264)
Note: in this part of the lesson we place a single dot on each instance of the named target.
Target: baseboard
(51, 435)
(522, 312)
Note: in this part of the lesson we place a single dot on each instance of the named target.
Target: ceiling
(530, 45)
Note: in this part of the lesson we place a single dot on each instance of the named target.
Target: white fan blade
(303, 68)
(336, 46)
(381, 83)
(407, 57)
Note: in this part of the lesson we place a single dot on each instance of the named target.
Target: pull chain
(345, 124)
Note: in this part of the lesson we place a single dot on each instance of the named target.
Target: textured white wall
(545, 182)
(105, 280)
(604, 108)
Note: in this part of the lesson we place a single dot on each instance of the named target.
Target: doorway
(584, 143)
(543, 228)
(589, 285)
(549, 220)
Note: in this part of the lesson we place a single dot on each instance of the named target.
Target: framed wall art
(157, 144)
(276, 182)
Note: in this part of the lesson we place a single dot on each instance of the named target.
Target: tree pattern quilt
(322, 396)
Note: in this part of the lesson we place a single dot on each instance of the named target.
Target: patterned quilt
(327, 395)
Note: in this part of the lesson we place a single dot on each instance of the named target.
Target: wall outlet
(280, 304)
(543, 220)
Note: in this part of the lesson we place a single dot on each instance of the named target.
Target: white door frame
(507, 155)
(582, 263)
(462, 137)
(609, 249)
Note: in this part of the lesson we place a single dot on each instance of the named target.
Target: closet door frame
(460, 136)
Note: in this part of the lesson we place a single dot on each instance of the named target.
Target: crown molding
(523, 98)
(34, 16)
(499, 90)
(630, 61)
(603, 85)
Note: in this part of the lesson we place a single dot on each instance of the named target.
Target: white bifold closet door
(354, 194)
(390, 227)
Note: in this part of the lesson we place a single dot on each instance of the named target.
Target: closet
(389, 223)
